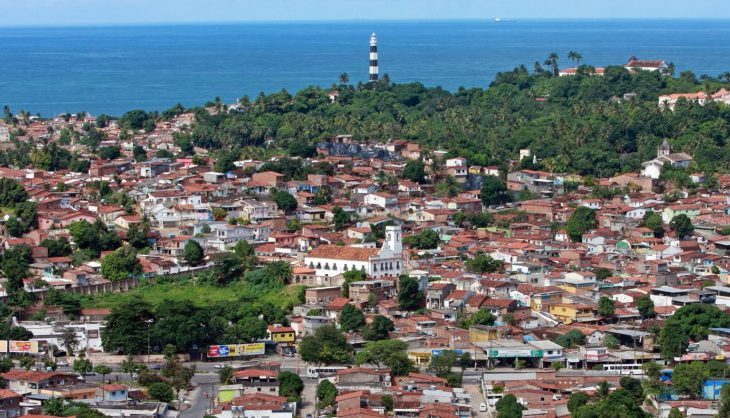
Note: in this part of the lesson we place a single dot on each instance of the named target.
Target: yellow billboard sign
(22, 347)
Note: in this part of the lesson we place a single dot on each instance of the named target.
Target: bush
(161, 391)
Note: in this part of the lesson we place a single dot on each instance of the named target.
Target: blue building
(711, 388)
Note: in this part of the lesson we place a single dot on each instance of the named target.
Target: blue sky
(65, 12)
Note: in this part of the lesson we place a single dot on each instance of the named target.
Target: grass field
(199, 294)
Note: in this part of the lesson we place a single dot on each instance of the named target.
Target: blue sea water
(117, 68)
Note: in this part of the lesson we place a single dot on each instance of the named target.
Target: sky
(89, 12)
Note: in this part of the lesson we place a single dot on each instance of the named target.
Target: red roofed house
(10, 403)
(260, 405)
(31, 382)
(646, 65)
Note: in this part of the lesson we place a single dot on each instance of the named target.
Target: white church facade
(332, 260)
(665, 156)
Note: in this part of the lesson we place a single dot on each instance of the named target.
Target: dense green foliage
(391, 353)
(618, 404)
(484, 263)
(193, 253)
(653, 221)
(606, 307)
(161, 391)
(410, 297)
(494, 191)
(326, 393)
(94, 238)
(508, 407)
(379, 329)
(290, 386)
(696, 319)
(351, 318)
(121, 264)
(581, 221)
(571, 123)
(415, 170)
(571, 339)
(682, 225)
(427, 239)
(687, 378)
(284, 201)
(328, 345)
(645, 306)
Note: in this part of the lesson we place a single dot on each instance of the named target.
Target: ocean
(114, 69)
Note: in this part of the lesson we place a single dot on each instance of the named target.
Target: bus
(624, 369)
(316, 372)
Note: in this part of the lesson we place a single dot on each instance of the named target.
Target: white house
(4, 133)
(332, 260)
(456, 162)
(384, 200)
(653, 168)
(647, 65)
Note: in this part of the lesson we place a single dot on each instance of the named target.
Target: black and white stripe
(373, 57)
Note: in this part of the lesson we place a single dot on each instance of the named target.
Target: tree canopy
(581, 221)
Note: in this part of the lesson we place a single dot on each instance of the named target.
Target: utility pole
(149, 323)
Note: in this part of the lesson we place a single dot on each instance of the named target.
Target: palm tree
(552, 61)
(603, 389)
(129, 366)
(344, 78)
(575, 57)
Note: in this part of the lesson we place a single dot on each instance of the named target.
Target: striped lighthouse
(373, 57)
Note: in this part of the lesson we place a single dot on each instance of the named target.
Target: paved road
(309, 397)
(474, 390)
(200, 398)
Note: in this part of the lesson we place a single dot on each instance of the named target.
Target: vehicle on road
(315, 372)
(219, 366)
(482, 407)
(62, 364)
(624, 369)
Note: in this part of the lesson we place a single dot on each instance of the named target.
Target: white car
(219, 366)
(482, 407)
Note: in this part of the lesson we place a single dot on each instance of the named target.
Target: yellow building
(540, 301)
(483, 334)
(568, 313)
(282, 335)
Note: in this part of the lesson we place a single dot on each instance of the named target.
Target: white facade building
(332, 260)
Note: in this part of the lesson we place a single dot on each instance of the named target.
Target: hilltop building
(653, 168)
(647, 65)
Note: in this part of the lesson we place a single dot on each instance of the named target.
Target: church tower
(394, 239)
(664, 149)
(373, 57)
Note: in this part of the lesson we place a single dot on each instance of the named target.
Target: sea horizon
(112, 69)
(503, 19)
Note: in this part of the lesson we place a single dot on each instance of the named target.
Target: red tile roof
(337, 252)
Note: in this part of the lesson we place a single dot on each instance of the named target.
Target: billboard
(236, 350)
(508, 353)
(22, 347)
